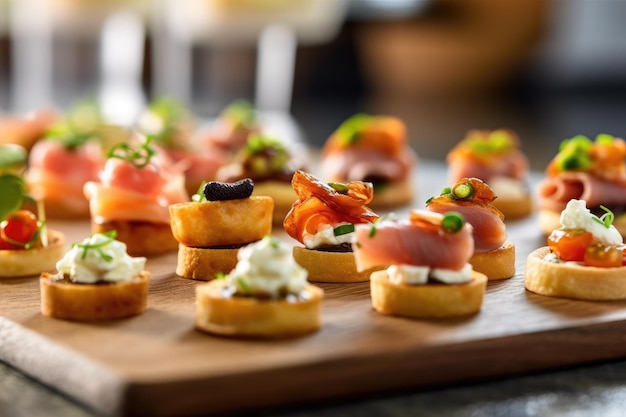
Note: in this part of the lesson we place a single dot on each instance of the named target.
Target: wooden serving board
(157, 364)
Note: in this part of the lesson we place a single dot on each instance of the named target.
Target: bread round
(220, 313)
(514, 208)
(221, 223)
(427, 300)
(393, 194)
(141, 238)
(570, 280)
(495, 264)
(330, 266)
(205, 263)
(63, 299)
(32, 262)
(283, 195)
(551, 220)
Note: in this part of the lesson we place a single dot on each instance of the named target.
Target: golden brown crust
(551, 220)
(428, 300)
(330, 266)
(219, 313)
(205, 263)
(393, 195)
(141, 238)
(220, 223)
(283, 195)
(32, 262)
(573, 281)
(86, 302)
(514, 208)
(495, 264)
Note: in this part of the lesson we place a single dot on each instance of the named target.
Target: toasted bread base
(514, 208)
(205, 263)
(330, 266)
(89, 302)
(283, 195)
(573, 281)
(428, 300)
(551, 220)
(32, 262)
(226, 315)
(393, 195)
(220, 223)
(141, 238)
(495, 264)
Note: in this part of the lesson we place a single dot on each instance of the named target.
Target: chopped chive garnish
(379, 220)
(220, 275)
(606, 219)
(140, 156)
(339, 187)
(462, 192)
(110, 235)
(344, 229)
(245, 287)
(274, 242)
(452, 222)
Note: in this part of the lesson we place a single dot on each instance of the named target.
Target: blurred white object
(31, 54)
(121, 63)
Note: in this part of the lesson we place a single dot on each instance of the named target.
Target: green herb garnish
(452, 222)
(574, 154)
(139, 156)
(344, 229)
(13, 194)
(606, 219)
(350, 130)
(199, 196)
(245, 287)
(220, 275)
(374, 227)
(241, 114)
(339, 187)
(462, 192)
(110, 235)
(12, 155)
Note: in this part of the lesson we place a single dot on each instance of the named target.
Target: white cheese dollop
(577, 216)
(100, 258)
(326, 237)
(267, 268)
(417, 275)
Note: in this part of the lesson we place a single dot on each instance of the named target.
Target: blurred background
(549, 69)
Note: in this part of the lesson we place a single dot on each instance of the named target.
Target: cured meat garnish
(421, 241)
(487, 154)
(472, 198)
(556, 192)
(367, 148)
(321, 204)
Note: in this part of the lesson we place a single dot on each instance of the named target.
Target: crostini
(493, 255)
(218, 221)
(95, 280)
(428, 274)
(133, 197)
(372, 149)
(495, 157)
(266, 295)
(323, 220)
(594, 171)
(584, 258)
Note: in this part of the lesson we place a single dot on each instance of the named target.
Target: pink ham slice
(556, 192)
(358, 163)
(405, 243)
(513, 165)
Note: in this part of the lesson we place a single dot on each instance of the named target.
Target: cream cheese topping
(577, 216)
(326, 237)
(100, 258)
(418, 275)
(267, 268)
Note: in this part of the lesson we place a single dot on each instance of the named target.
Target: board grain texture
(157, 364)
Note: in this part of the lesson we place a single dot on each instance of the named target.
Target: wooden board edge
(381, 374)
(72, 374)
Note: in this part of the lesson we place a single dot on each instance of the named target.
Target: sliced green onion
(604, 139)
(344, 229)
(452, 222)
(462, 192)
(220, 275)
(606, 219)
(339, 187)
(111, 234)
(446, 191)
(245, 287)
(349, 131)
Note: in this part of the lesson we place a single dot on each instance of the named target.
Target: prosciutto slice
(360, 164)
(412, 243)
(555, 192)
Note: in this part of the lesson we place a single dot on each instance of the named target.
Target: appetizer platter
(157, 363)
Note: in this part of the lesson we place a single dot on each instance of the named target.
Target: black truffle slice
(220, 191)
